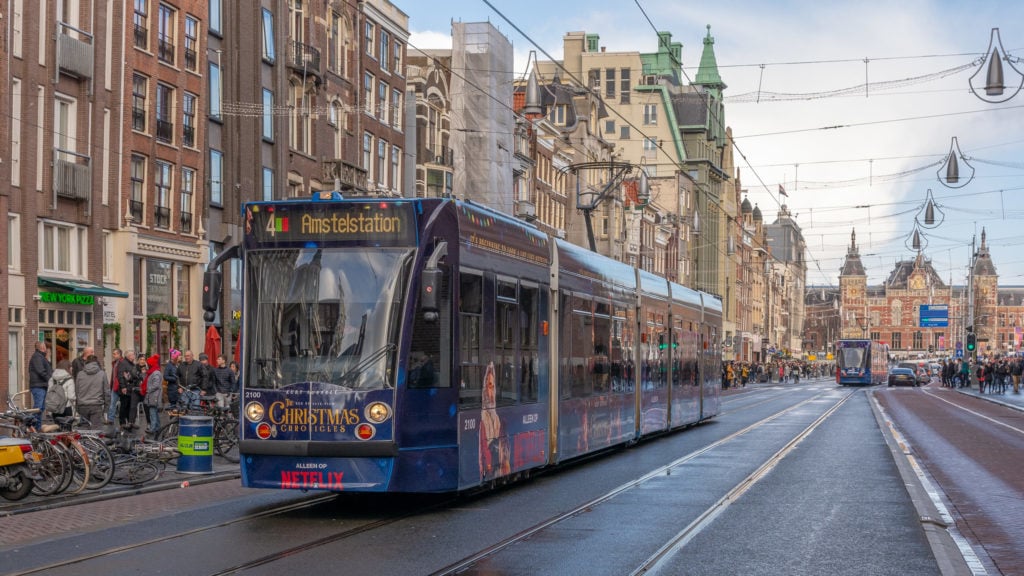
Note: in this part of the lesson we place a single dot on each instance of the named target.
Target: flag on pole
(782, 191)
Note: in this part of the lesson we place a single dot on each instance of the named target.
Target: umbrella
(238, 347)
(212, 347)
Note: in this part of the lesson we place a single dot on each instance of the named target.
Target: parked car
(903, 377)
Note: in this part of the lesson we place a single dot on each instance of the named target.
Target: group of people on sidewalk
(81, 387)
(995, 375)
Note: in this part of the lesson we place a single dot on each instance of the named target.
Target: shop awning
(83, 287)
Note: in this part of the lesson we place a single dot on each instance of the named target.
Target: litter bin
(195, 442)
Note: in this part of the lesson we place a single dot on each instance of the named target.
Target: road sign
(934, 315)
(959, 353)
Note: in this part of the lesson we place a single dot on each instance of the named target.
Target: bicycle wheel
(168, 431)
(101, 461)
(132, 470)
(53, 464)
(225, 440)
(80, 473)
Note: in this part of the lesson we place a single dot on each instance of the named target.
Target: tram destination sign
(361, 223)
(934, 315)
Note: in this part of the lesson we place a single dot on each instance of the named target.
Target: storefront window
(184, 281)
(158, 287)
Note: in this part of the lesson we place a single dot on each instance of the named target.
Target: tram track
(465, 564)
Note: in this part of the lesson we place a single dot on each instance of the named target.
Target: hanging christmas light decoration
(998, 87)
(928, 211)
(949, 171)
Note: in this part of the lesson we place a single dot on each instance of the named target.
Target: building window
(609, 126)
(382, 102)
(138, 187)
(335, 121)
(14, 242)
(140, 85)
(897, 340)
(191, 43)
(300, 119)
(165, 33)
(397, 65)
(268, 35)
(557, 114)
(268, 115)
(396, 109)
(164, 102)
(65, 126)
(216, 176)
(63, 248)
(188, 121)
(369, 39)
(215, 16)
(651, 114)
(141, 24)
(368, 93)
(188, 187)
(215, 93)
(268, 184)
(162, 189)
(381, 168)
(396, 167)
(385, 41)
(650, 147)
(624, 132)
(367, 150)
(609, 82)
(625, 85)
(15, 132)
(335, 44)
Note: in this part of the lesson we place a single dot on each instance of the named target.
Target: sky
(850, 156)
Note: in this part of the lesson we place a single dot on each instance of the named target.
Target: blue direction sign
(934, 316)
(959, 353)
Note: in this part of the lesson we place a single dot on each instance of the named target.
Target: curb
(947, 551)
(161, 484)
(992, 399)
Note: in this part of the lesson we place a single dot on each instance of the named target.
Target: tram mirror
(430, 287)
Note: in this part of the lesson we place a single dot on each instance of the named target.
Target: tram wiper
(348, 378)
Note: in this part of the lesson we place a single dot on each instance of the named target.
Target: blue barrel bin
(195, 442)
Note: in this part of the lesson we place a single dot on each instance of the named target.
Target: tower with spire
(853, 287)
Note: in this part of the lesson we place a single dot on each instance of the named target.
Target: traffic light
(972, 342)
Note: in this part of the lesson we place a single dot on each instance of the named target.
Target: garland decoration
(152, 321)
(116, 329)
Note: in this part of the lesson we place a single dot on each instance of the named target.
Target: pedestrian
(129, 383)
(114, 408)
(60, 391)
(981, 372)
(78, 363)
(92, 391)
(223, 381)
(1015, 372)
(171, 378)
(204, 381)
(39, 372)
(152, 393)
(188, 376)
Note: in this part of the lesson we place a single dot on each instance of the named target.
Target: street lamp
(996, 82)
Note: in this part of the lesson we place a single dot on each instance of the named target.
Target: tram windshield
(324, 315)
(852, 357)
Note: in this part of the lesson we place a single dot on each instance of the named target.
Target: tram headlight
(378, 412)
(254, 411)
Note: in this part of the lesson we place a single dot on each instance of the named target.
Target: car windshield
(324, 315)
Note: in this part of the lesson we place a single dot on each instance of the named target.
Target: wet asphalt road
(835, 504)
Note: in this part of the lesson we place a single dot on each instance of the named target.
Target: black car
(904, 376)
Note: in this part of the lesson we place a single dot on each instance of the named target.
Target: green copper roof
(707, 74)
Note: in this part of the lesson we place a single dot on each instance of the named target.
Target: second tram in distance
(428, 345)
(861, 362)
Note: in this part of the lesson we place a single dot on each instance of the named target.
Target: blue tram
(429, 345)
(861, 362)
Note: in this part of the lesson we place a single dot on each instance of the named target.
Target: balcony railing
(165, 50)
(72, 174)
(135, 210)
(162, 217)
(164, 130)
(74, 51)
(304, 57)
(186, 222)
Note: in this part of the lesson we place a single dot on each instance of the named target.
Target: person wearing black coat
(39, 372)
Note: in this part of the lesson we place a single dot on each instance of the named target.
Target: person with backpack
(92, 391)
(60, 392)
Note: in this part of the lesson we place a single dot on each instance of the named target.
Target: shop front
(67, 310)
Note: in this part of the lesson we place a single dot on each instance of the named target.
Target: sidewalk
(167, 479)
(1008, 399)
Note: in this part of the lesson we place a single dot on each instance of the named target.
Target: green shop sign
(62, 298)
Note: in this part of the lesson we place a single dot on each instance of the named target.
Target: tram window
(528, 344)
(471, 287)
(565, 346)
(602, 339)
(505, 329)
(581, 353)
